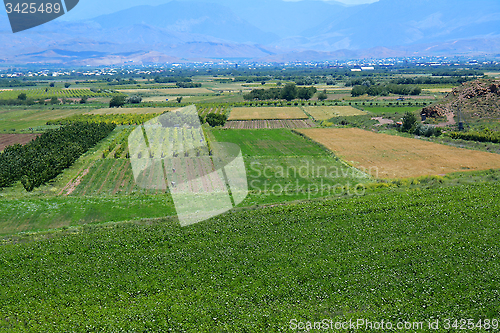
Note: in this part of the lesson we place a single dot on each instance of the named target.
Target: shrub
(117, 101)
(409, 122)
(216, 119)
(134, 100)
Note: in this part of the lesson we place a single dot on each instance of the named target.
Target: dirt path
(451, 120)
(72, 185)
(383, 121)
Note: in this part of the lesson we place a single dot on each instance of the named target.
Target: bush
(322, 95)
(409, 122)
(117, 101)
(134, 100)
(216, 119)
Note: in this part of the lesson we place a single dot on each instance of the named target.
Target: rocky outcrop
(475, 99)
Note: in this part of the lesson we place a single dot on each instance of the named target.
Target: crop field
(205, 110)
(20, 119)
(328, 112)
(340, 257)
(12, 139)
(170, 91)
(269, 124)
(130, 110)
(165, 98)
(387, 156)
(283, 166)
(41, 93)
(260, 113)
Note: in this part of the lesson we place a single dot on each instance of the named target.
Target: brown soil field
(328, 112)
(11, 139)
(258, 113)
(388, 156)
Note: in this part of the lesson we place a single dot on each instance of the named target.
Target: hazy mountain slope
(394, 22)
(192, 29)
(284, 18)
(190, 17)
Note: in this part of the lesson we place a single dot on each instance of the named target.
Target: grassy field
(327, 112)
(390, 110)
(170, 91)
(388, 156)
(129, 110)
(23, 118)
(417, 256)
(257, 113)
(283, 166)
(46, 93)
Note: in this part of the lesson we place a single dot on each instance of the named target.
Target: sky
(90, 8)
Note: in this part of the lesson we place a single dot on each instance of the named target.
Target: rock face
(435, 111)
(475, 99)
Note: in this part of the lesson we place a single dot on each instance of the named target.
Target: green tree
(306, 93)
(52, 84)
(83, 100)
(54, 100)
(289, 92)
(179, 99)
(22, 97)
(409, 122)
(216, 119)
(117, 101)
(67, 85)
(322, 95)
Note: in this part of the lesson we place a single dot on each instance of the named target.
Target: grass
(129, 110)
(23, 118)
(419, 255)
(391, 110)
(270, 143)
(35, 214)
(283, 166)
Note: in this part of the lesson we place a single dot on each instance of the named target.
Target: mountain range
(259, 30)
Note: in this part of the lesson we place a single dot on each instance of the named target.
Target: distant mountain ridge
(183, 30)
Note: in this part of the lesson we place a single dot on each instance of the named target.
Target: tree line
(289, 92)
(385, 90)
(48, 155)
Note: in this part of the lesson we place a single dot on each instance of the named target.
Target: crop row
(121, 141)
(484, 136)
(390, 256)
(205, 110)
(174, 142)
(45, 93)
(117, 119)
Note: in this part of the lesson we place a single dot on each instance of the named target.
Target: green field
(413, 256)
(46, 93)
(314, 239)
(263, 142)
(388, 109)
(23, 118)
(284, 166)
